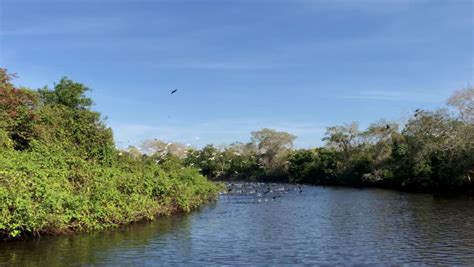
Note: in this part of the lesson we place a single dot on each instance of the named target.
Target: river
(265, 224)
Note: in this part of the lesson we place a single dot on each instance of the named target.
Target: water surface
(255, 225)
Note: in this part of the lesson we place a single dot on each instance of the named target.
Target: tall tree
(463, 101)
(342, 138)
(273, 148)
(67, 93)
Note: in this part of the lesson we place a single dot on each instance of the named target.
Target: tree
(302, 167)
(463, 101)
(378, 142)
(65, 118)
(17, 112)
(380, 131)
(67, 93)
(435, 152)
(163, 148)
(342, 138)
(206, 160)
(273, 148)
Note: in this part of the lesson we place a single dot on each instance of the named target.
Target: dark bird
(275, 197)
(388, 126)
(268, 191)
(174, 91)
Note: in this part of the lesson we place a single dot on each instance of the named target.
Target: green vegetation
(432, 151)
(60, 171)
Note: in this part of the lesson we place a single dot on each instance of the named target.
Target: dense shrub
(60, 171)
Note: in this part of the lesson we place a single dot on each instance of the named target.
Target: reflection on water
(269, 224)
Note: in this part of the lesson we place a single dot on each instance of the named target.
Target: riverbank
(52, 192)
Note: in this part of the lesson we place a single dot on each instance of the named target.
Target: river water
(265, 224)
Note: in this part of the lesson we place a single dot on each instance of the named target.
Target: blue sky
(239, 66)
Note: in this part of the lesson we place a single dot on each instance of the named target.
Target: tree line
(432, 151)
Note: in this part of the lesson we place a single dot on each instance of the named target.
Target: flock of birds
(260, 192)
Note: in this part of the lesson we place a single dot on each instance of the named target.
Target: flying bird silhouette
(174, 91)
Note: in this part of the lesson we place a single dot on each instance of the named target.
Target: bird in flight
(174, 91)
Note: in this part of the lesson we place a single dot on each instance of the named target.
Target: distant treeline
(60, 170)
(432, 151)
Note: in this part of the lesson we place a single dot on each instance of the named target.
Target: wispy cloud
(368, 6)
(395, 96)
(61, 27)
(205, 64)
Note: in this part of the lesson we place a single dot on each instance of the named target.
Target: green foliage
(66, 93)
(81, 131)
(17, 116)
(60, 171)
(48, 190)
(273, 150)
(434, 151)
